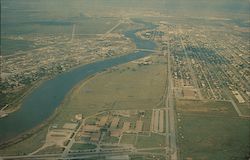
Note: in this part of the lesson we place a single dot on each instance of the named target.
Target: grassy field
(95, 25)
(244, 108)
(147, 120)
(26, 146)
(147, 157)
(121, 88)
(212, 134)
(154, 140)
(160, 151)
(109, 139)
(206, 107)
(80, 146)
(36, 28)
(11, 46)
(51, 150)
(128, 139)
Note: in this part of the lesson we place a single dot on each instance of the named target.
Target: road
(190, 67)
(71, 155)
(73, 32)
(72, 139)
(113, 28)
(169, 103)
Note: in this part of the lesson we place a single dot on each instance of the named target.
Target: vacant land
(128, 139)
(129, 86)
(244, 108)
(95, 25)
(151, 141)
(51, 150)
(10, 46)
(28, 145)
(219, 108)
(80, 146)
(207, 133)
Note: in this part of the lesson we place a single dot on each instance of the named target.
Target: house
(103, 121)
(115, 122)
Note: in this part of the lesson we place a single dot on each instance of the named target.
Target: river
(42, 102)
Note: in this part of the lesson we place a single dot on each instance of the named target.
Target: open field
(211, 134)
(244, 108)
(146, 157)
(153, 140)
(10, 46)
(25, 34)
(219, 108)
(109, 139)
(80, 146)
(84, 25)
(26, 146)
(128, 139)
(119, 88)
(214, 138)
(51, 150)
(107, 92)
(95, 25)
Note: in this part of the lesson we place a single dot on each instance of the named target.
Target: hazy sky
(14, 10)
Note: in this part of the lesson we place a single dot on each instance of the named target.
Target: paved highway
(170, 110)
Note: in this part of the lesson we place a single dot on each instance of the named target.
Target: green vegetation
(26, 146)
(219, 108)
(147, 157)
(154, 140)
(214, 135)
(109, 139)
(37, 28)
(108, 92)
(147, 120)
(244, 108)
(51, 150)
(161, 151)
(214, 138)
(128, 139)
(126, 27)
(95, 25)
(81, 146)
(10, 46)
(91, 121)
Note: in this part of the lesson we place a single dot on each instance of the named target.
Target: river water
(42, 102)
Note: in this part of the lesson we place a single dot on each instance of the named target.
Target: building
(238, 97)
(78, 117)
(103, 121)
(115, 122)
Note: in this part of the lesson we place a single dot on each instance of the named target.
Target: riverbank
(88, 97)
(38, 129)
(15, 106)
(50, 94)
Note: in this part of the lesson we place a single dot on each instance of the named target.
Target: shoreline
(15, 106)
(31, 132)
(26, 134)
(45, 123)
